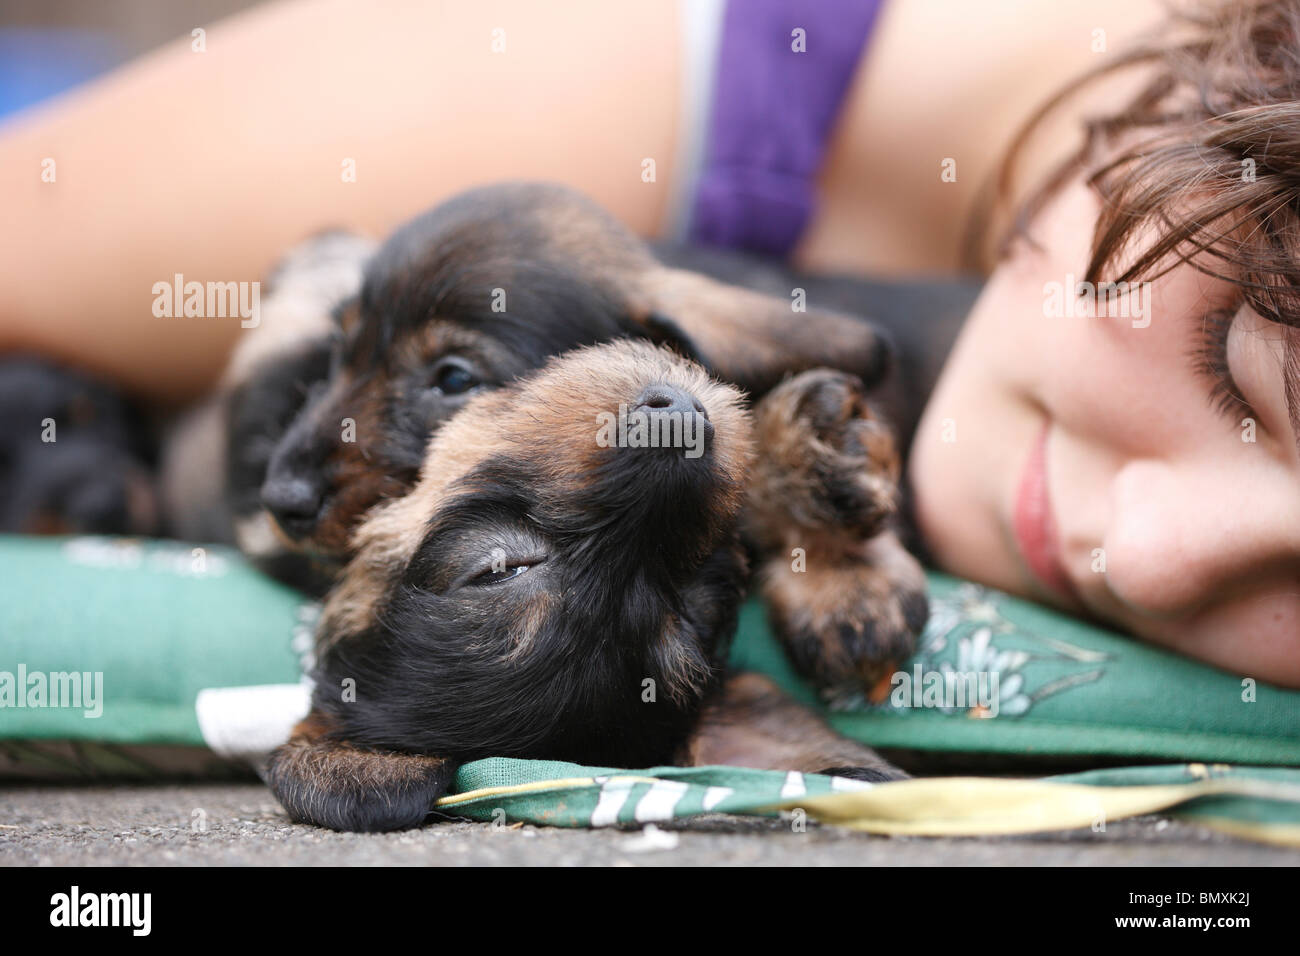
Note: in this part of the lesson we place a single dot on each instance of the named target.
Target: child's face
(1090, 464)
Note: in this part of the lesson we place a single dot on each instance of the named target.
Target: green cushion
(196, 649)
(154, 624)
(1066, 688)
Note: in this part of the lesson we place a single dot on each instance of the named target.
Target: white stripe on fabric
(794, 785)
(613, 794)
(660, 801)
(715, 795)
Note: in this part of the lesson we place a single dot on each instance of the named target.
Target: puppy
(215, 457)
(328, 416)
(562, 581)
(75, 457)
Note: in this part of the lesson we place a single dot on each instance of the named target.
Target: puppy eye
(493, 576)
(452, 377)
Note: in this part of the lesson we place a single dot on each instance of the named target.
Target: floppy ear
(323, 780)
(752, 723)
(755, 340)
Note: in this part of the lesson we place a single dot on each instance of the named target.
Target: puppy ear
(755, 340)
(752, 723)
(327, 781)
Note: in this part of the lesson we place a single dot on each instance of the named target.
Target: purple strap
(772, 113)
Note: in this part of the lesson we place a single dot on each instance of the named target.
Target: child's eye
(1211, 356)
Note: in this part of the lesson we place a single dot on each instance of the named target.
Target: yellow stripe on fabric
(980, 806)
(977, 806)
(1280, 834)
(566, 783)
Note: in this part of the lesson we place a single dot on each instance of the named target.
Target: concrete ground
(241, 824)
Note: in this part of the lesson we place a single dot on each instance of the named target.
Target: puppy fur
(538, 594)
(477, 292)
(843, 595)
(75, 456)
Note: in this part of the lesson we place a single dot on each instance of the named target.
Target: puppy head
(551, 587)
(484, 289)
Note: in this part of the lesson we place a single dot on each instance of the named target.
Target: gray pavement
(241, 824)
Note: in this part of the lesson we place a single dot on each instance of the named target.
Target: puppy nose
(676, 419)
(667, 399)
(295, 503)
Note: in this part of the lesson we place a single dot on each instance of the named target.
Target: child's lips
(1035, 526)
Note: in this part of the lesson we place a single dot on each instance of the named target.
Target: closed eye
(1211, 356)
(500, 574)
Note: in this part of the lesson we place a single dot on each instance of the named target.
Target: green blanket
(1256, 803)
(129, 657)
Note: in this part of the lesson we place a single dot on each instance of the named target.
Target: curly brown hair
(1206, 156)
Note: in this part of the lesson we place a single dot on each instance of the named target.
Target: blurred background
(47, 46)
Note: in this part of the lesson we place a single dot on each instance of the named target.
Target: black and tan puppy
(562, 582)
(332, 417)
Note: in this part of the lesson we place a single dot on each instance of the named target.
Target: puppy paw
(333, 784)
(848, 621)
(827, 463)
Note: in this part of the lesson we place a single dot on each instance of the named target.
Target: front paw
(827, 463)
(333, 784)
(848, 623)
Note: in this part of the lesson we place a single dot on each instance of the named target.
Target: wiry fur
(499, 279)
(607, 650)
(843, 594)
(646, 547)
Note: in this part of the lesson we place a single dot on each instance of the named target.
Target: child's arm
(212, 164)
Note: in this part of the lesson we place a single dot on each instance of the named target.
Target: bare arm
(210, 164)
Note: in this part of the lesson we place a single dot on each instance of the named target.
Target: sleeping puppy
(562, 582)
(330, 402)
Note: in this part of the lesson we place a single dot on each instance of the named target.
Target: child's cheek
(1256, 636)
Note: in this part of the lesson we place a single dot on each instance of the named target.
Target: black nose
(668, 399)
(295, 503)
(676, 419)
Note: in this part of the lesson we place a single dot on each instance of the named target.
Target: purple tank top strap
(783, 70)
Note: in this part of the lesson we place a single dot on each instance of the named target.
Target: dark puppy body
(542, 592)
(920, 318)
(75, 458)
